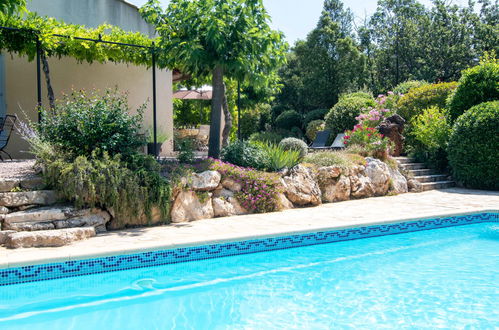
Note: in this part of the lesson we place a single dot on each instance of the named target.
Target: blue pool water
(442, 278)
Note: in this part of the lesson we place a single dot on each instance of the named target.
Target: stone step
(438, 185)
(413, 166)
(55, 217)
(31, 182)
(47, 238)
(404, 160)
(432, 178)
(24, 198)
(422, 172)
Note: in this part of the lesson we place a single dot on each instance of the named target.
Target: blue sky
(296, 18)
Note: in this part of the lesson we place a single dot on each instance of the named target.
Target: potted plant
(161, 137)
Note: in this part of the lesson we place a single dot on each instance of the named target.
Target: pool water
(442, 278)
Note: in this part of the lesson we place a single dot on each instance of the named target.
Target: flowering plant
(369, 138)
(259, 190)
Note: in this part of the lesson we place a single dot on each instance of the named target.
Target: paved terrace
(326, 217)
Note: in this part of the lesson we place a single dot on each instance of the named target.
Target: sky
(296, 18)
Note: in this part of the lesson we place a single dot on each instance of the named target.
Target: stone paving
(325, 217)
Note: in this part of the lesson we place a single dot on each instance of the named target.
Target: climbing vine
(32, 27)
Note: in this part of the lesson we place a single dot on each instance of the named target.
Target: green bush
(477, 85)
(268, 136)
(473, 147)
(313, 127)
(82, 123)
(130, 189)
(431, 128)
(245, 154)
(362, 95)
(328, 158)
(420, 98)
(185, 148)
(342, 116)
(318, 114)
(276, 158)
(294, 144)
(406, 86)
(288, 120)
(276, 110)
(249, 123)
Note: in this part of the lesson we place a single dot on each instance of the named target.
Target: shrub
(370, 139)
(328, 158)
(313, 115)
(259, 192)
(81, 123)
(477, 85)
(186, 147)
(130, 189)
(362, 95)
(273, 136)
(276, 158)
(276, 110)
(342, 116)
(245, 154)
(294, 144)
(249, 124)
(406, 86)
(431, 128)
(288, 119)
(418, 99)
(473, 147)
(313, 127)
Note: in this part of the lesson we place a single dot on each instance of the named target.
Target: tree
(221, 38)
(327, 64)
(11, 7)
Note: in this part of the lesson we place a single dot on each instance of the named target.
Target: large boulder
(361, 186)
(225, 207)
(300, 187)
(379, 175)
(283, 202)
(47, 238)
(16, 199)
(336, 190)
(414, 185)
(205, 181)
(231, 184)
(399, 184)
(189, 207)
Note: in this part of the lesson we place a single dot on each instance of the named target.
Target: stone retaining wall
(209, 194)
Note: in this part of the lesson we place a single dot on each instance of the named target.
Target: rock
(205, 181)
(379, 174)
(188, 207)
(328, 172)
(231, 184)
(6, 185)
(283, 202)
(300, 187)
(29, 226)
(222, 207)
(224, 193)
(94, 218)
(398, 182)
(32, 183)
(361, 186)
(122, 221)
(4, 234)
(237, 206)
(42, 214)
(48, 238)
(40, 197)
(414, 185)
(336, 190)
(4, 210)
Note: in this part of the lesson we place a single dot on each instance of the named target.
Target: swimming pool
(444, 278)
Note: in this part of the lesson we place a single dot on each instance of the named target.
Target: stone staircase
(31, 216)
(428, 178)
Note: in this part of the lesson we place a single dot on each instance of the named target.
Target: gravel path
(17, 168)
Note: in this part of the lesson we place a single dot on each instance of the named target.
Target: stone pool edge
(86, 264)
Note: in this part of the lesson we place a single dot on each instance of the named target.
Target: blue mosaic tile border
(156, 258)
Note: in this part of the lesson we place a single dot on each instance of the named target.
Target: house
(18, 84)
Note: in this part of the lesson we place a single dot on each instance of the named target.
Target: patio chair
(6, 127)
(338, 142)
(320, 140)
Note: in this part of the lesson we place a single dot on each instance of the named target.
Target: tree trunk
(228, 120)
(46, 71)
(216, 112)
